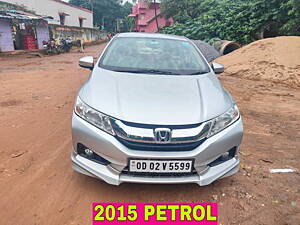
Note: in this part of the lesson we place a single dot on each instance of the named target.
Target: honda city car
(154, 111)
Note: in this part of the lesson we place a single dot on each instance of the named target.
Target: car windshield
(153, 56)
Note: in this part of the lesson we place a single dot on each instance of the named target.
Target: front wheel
(55, 51)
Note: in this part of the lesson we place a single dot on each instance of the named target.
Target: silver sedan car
(154, 111)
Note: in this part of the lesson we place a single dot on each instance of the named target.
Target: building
(63, 13)
(145, 18)
(22, 30)
(25, 24)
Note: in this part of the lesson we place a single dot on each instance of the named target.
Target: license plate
(160, 166)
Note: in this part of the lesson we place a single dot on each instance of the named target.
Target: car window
(153, 55)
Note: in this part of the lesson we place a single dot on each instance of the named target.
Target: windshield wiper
(159, 72)
(198, 73)
(151, 71)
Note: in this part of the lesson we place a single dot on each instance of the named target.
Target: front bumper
(109, 148)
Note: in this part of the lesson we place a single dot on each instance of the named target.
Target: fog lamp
(225, 154)
(88, 152)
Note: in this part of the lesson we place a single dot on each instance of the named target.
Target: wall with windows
(62, 12)
(145, 19)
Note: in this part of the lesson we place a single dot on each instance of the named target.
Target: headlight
(93, 117)
(221, 122)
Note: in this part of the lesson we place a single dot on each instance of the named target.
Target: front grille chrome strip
(146, 135)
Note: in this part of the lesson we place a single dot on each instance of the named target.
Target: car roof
(151, 35)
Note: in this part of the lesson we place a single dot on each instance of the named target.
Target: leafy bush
(239, 20)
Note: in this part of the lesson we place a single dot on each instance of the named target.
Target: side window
(142, 16)
(80, 22)
(62, 18)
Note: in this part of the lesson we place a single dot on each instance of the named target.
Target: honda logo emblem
(162, 135)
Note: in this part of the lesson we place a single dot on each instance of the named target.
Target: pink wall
(144, 15)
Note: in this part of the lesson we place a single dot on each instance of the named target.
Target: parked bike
(51, 47)
(65, 45)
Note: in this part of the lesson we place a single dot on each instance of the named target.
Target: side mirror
(217, 67)
(87, 62)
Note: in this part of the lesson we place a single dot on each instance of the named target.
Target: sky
(123, 1)
(127, 1)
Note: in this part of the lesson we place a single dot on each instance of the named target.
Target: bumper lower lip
(111, 176)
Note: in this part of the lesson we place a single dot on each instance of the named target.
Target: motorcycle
(51, 47)
(66, 45)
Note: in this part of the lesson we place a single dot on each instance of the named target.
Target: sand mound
(273, 59)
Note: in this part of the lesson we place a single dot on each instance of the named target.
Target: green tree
(240, 20)
(183, 10)
(292, 26)
(106, 12)
(128, 22)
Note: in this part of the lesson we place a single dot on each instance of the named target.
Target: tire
(55, 51)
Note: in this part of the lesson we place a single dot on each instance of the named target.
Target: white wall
(6, 40)
(54, 7)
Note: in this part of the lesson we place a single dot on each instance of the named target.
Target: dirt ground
(38, 185)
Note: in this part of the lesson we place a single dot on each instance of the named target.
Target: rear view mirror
(87, 62)
(217, 67)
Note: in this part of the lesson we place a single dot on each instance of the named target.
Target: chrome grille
(143, 137)
(160, 147)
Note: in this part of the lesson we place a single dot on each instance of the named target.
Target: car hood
(156, 99)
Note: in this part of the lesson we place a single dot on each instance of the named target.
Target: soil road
(38, 185)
